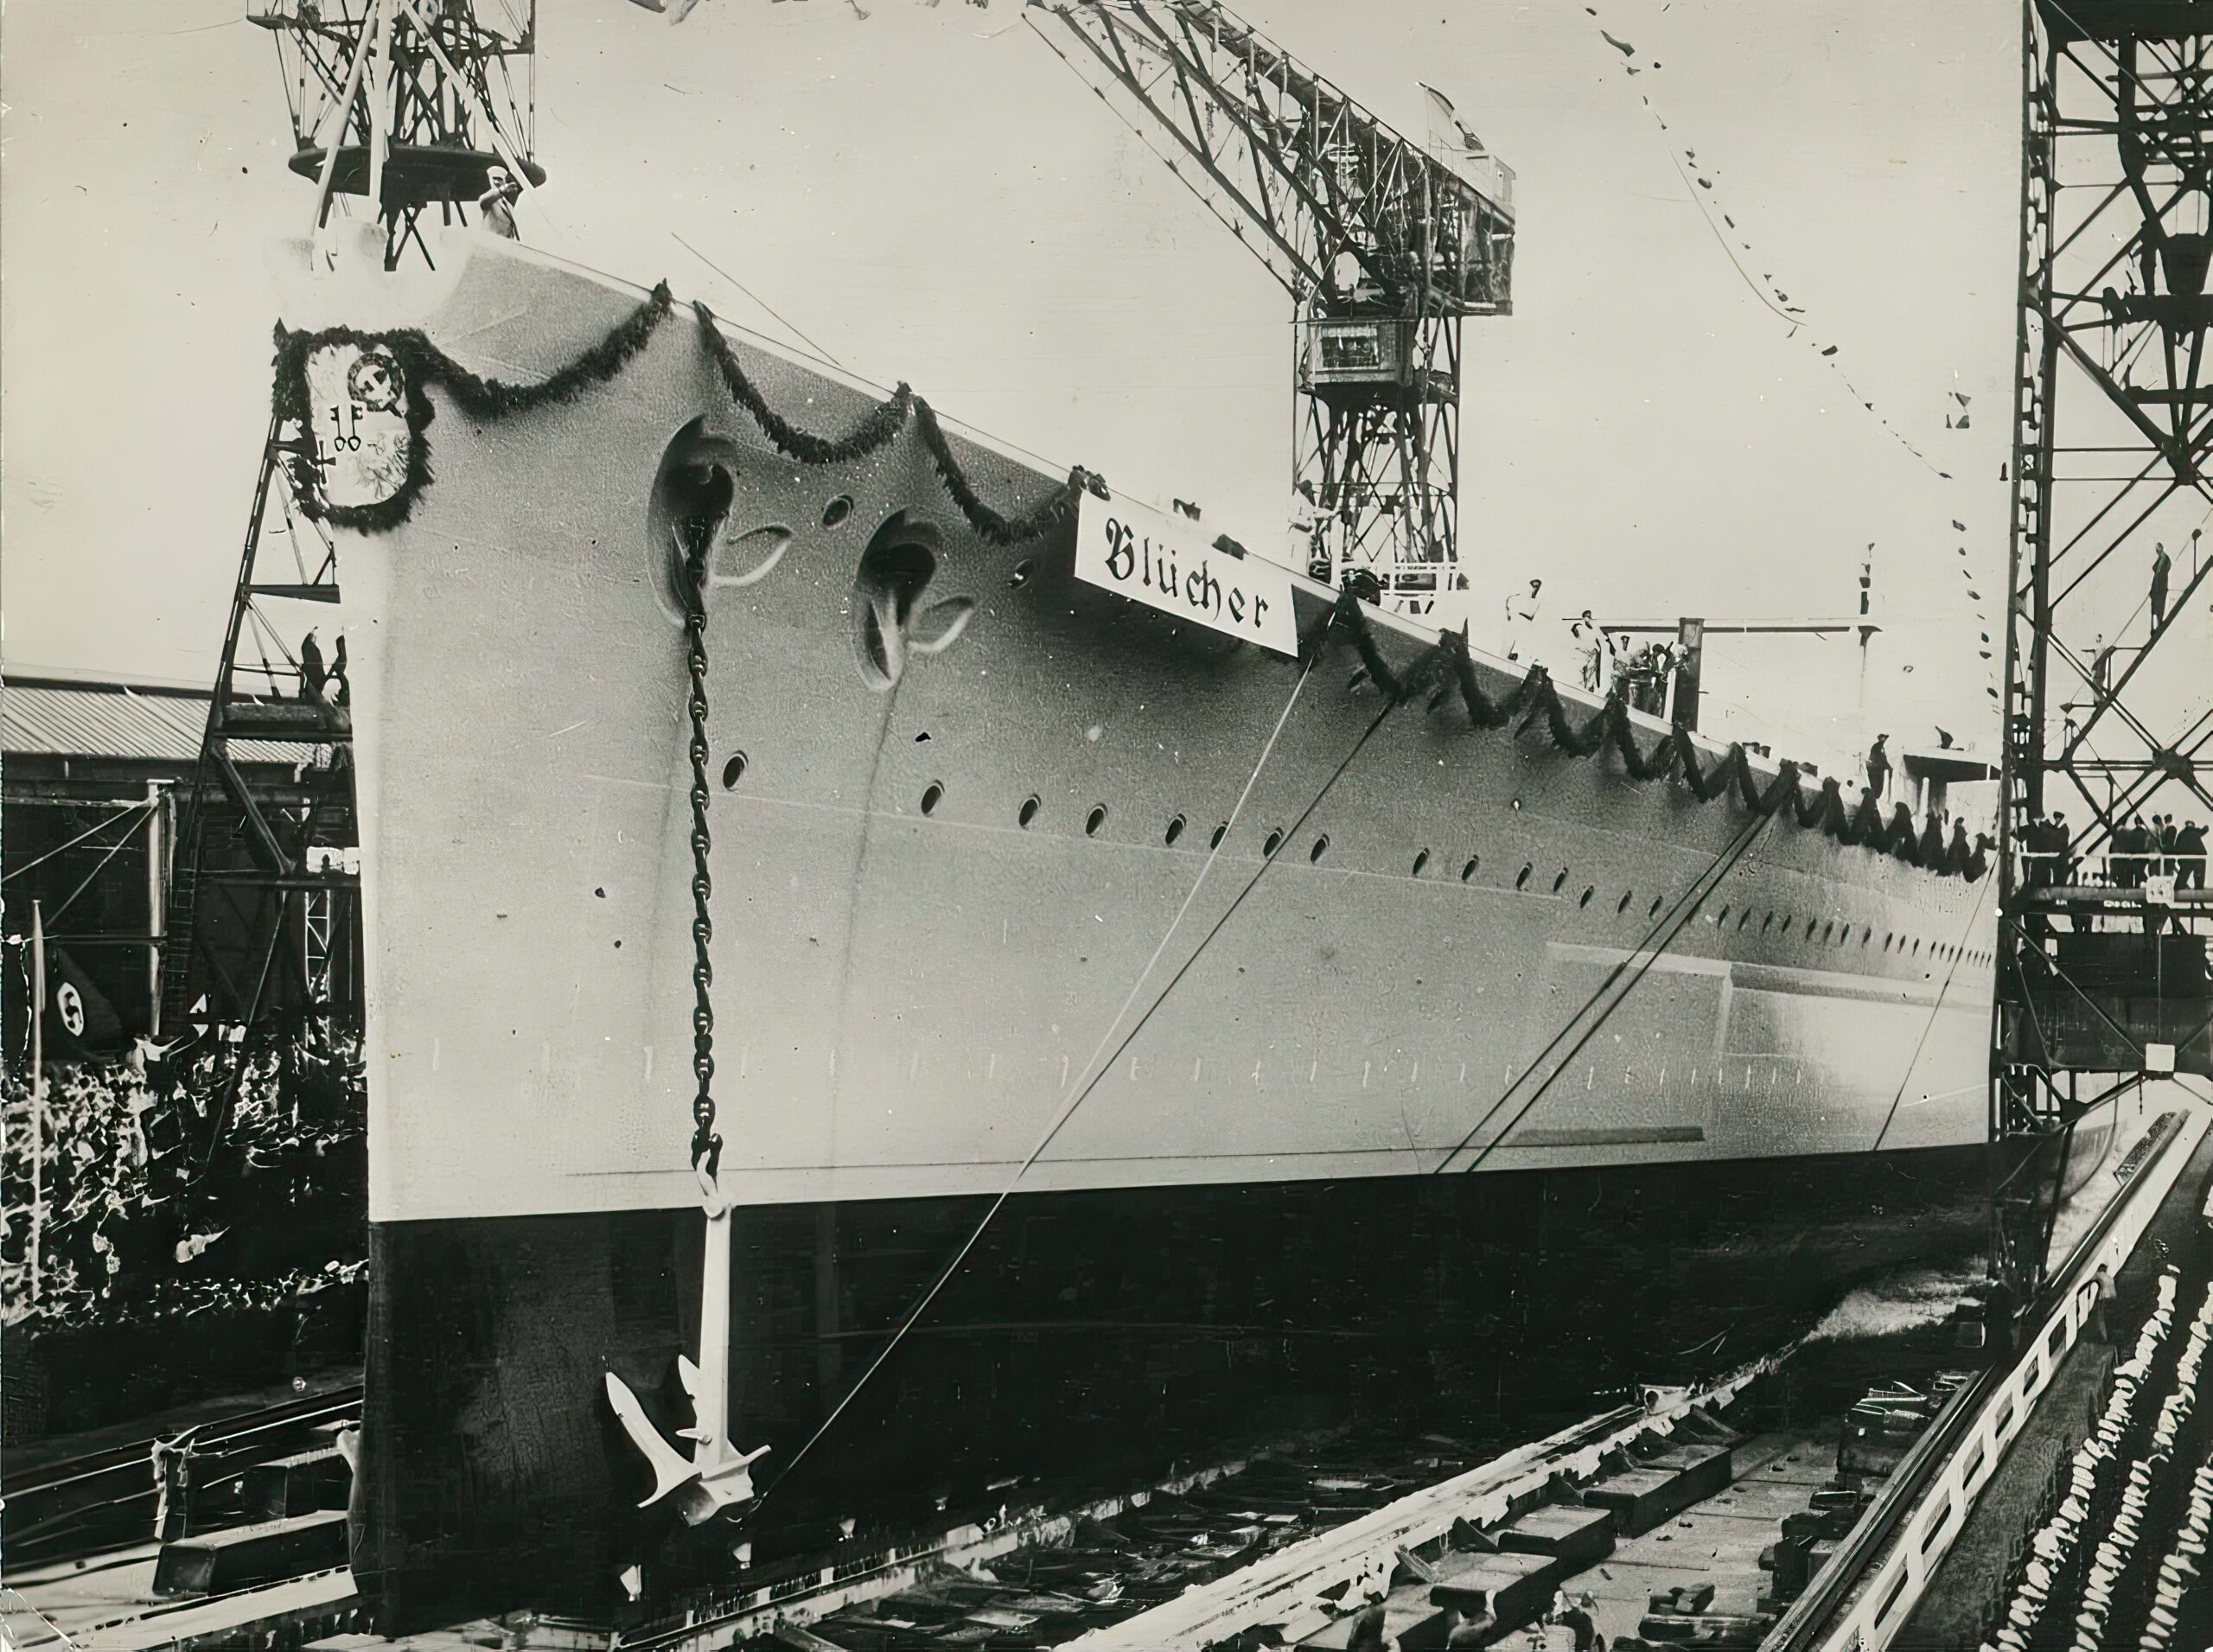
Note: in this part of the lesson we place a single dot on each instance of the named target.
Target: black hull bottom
(1088, 1335)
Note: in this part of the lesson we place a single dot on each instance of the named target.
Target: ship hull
(1091, 1340)
(1030, 891)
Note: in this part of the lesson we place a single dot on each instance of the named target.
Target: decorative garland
(876, 430)
(421, 364)
(1536, 697)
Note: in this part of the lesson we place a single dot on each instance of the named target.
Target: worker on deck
(1521, 616)
(497, 204)
(2162, 565)
(1878, 768)
(1590, 650)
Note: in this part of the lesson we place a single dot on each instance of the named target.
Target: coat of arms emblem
(363, 444)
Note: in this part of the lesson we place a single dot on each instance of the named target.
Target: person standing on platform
(1521, 616)
(1590, 651)
(171, 1461)
(313, 676)
(2099, 1325)
(2167, 836)
(345, 694)
(497, 203)
(2189, 857)
(2162, 565)
(1878, 768)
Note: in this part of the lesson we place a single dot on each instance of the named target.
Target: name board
(1171, 563)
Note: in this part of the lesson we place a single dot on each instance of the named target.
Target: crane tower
(1383, 245)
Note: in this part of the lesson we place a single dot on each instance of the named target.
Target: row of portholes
(1832, 932)
(1840, 935)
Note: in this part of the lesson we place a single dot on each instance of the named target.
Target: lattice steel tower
(2107, 649)
(409, 103)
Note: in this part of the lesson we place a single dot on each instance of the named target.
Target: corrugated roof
(108, 720)
(42, 718)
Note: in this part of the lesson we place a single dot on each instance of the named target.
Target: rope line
(122, 813)
(1088, 1080)
(1685, 909)
(1928, 1026)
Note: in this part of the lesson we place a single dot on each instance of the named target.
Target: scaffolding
(2102, 976)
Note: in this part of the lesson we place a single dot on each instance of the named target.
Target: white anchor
(715, 1477)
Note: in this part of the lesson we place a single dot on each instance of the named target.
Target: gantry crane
(2102, 974)
(1383, 245)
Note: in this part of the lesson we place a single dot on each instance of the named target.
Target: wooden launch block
(1410, 1622)
(1663, 1486)
(1518, 1586)
(1580, 1537)
(247, 1555)
(306, 1483)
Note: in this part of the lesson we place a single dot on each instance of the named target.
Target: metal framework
(408, 103)
(258, 878)
(1383, 247)
(2106, 712)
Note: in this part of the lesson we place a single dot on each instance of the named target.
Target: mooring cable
(1089, 1079)
(1677, 915)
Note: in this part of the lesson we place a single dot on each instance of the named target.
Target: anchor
(716, 1476)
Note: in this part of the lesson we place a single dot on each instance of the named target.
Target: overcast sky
(930, 195)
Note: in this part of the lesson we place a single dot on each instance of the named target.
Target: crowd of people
(2138, 852)
(126, 1233)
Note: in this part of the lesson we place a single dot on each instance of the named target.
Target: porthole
(1786, 927)
(837, 510)
(733, 771)
(1886, 942)
(1827, 929)
(1320, 848)
(1027, 812)
(1468, 872)
(1521, 877)
(1094, 820)
(1220, 832)
(1023, 569)
(1622, 905)
(1587, 893)
(1744, 918)
(1916, 946)
(1421, 860)
(1767, 923)
(1559, 880)
(1274, 842)
(1175, 829)
(1653, 911)
(932, 794)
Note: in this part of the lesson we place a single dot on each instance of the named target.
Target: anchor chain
(706, 1142)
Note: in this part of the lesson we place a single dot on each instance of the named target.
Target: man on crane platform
(497, 203)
